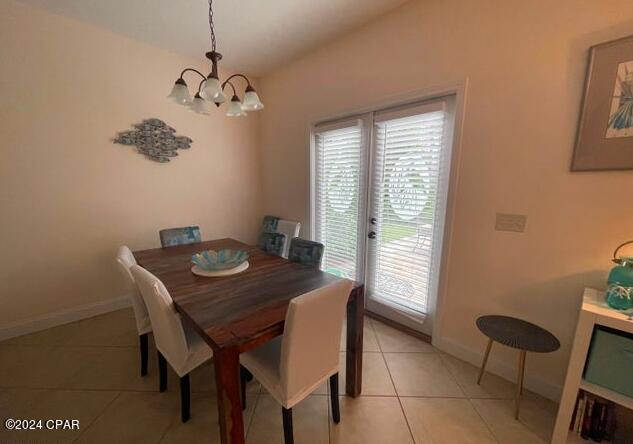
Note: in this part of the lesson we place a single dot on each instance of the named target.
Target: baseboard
(399, 326)
(506, 371)
(38, 323)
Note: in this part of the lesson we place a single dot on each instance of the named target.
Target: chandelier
(211, 90)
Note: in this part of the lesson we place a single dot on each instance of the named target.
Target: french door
(379, 186)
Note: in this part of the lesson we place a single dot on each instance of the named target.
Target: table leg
(354, 355)
(227, 370)
(483, 364)
(519, 388)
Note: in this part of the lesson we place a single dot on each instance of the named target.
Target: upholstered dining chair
(170, 237)
(273, 224)
(177, 344)
(291, 229)
(292, 366)
(126, 260)
(306, 252)
(273, 243)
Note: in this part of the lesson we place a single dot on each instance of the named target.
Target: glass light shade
(220, 98)
(180, 94)
(199, 105)
(211, 88)
(251, 101)
(235, 108)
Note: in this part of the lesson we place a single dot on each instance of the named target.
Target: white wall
(69, 196)
(525, 64)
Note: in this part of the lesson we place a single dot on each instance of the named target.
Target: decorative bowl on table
(219, 263)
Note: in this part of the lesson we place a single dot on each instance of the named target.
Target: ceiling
(253, 35)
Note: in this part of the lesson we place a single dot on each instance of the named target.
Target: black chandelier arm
(231, 84)
(248, 82)
(200, 85)
(192, 70)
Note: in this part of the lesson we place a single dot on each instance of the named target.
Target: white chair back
(311, 340)
(126, 259)
(169, 334)
(291, 229)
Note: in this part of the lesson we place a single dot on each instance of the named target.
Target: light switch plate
(510, 222)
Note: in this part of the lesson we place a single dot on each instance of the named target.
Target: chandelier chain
(211, 25)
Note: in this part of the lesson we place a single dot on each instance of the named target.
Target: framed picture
(605, 132)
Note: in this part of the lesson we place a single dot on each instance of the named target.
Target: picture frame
(604, 138)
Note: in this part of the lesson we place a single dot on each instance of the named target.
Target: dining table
(237, 313)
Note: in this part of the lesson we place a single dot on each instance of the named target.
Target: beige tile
(370, 342)
(55, 336)
(499, 415)
(392, 340)
(376, 379)
(113, 329)
(203, 380)
(135, 417)
(370, 420)
(421, 374)
(492, 386)
(53, 404)
(203, 427)
(112, 368)
(36, 366)
(538, 414)
(445, 421)
(309, 417)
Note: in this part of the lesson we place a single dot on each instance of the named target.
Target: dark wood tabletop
(236, 313)
(232, 310)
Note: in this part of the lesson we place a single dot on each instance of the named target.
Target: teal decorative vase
(620, 283)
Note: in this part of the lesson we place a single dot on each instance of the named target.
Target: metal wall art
(155, 139)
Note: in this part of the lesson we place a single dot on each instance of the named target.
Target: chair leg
(185, 399)
(162, 373)
(243, 378)
(286, 415)
(143, 344)
(249, 375)
(483, 364)
(336, 413)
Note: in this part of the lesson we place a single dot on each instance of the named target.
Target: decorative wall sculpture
(155, 139)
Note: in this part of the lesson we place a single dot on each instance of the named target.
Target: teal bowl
(211, 260)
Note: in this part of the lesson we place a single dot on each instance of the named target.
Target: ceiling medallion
(210, 90)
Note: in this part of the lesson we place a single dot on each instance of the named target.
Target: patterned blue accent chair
(306, 252)
(180, 236)
(272, 243)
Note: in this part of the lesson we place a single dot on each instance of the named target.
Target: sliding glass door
(379, 202)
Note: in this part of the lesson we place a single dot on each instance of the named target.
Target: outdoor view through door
(379, 188)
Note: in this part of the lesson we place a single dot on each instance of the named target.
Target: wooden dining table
(237, 313)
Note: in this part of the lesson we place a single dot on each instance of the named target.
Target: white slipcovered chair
(291, 229)
(177, 344)
(126, 260)
(292, 366)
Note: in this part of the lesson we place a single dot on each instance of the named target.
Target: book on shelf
(593, 418)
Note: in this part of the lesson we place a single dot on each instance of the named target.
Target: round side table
(519, 334)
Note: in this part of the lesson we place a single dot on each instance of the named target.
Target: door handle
(373, 221)
(372, 235)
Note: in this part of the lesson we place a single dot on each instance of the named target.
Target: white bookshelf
(594, 312)
(605, 393)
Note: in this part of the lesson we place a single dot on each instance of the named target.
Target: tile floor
(412, 393)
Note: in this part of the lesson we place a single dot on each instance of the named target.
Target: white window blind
(338, 173)
(405, 190)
